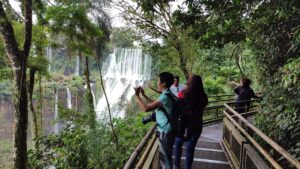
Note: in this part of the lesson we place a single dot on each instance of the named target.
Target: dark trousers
(190, 148)
(166, 141)
(242, 107)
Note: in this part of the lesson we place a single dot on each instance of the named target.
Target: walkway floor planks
(209, 153)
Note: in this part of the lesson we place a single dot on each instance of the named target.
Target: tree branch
(28, 27)
(9, 39)
(10, 8)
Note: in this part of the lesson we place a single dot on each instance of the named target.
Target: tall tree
(18, 60)
(35, 66)
(154, 18)
(77, 30)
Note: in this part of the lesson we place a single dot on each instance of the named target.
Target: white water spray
(49, 53)
(69, 98)
(77, 66)
(56, 125)
(93, 94)
(126, 68)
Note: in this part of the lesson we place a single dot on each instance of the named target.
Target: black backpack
(181, 118)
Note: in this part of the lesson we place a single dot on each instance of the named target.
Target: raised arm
(145, 96)
(146, 107)
(152, 88)
(237, 90)
(253, 95)
(234, 84)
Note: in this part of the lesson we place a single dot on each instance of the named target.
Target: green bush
(78, 146)
(213, 86)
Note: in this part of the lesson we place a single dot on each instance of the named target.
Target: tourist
(175, 88)
(164, 129)
(195, 99)
(244, 94)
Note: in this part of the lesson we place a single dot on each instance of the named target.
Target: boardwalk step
(210, 145)
(208, 155)
(206, 164)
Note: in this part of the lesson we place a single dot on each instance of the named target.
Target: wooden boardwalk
(209, 153)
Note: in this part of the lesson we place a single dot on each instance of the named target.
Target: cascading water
(93, 94)
(49, 53)
(126, 68)
(77, 66)
(69, 98)
(56, 125)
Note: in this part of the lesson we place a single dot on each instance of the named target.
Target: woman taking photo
(195, 99)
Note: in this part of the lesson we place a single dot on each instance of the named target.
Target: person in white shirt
(175, 88)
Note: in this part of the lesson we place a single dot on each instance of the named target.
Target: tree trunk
(87, 76)
(40, 105)
(21, 117)
(88, 96)
(182, 61)
(34, 124)
(115, 136)
(18, 61)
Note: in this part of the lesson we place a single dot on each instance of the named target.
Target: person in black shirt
(245, 94)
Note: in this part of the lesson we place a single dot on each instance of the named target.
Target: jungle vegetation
(220, 40)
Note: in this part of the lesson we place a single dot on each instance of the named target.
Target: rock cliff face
(73, 99)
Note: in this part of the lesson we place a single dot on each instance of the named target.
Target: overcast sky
(114, 13)
(117, 20)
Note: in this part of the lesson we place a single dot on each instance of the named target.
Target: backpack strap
(171, 96)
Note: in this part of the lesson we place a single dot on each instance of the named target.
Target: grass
(6, 154)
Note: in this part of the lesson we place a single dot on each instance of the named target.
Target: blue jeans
(190, 148)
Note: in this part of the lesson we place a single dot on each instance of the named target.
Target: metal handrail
(267, 139)
(216, 101)
(146, 153)
(139, 149)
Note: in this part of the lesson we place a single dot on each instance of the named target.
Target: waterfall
(125, 69)
(56, 125)
(77, 66)
(49, 53)
(93, 94)
(69, 98)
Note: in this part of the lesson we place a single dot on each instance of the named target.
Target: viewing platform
(209, 151)
(228, 141)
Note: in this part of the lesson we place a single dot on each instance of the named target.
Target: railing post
(231, 114)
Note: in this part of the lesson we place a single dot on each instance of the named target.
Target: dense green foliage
(219, 40)
(78, 146)
(6, 154)
(122, 38)
(215, 65)
(5, 72)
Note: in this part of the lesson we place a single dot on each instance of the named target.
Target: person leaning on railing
(164, 129)
(244, 94)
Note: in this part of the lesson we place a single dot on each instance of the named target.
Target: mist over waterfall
(123, 70)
